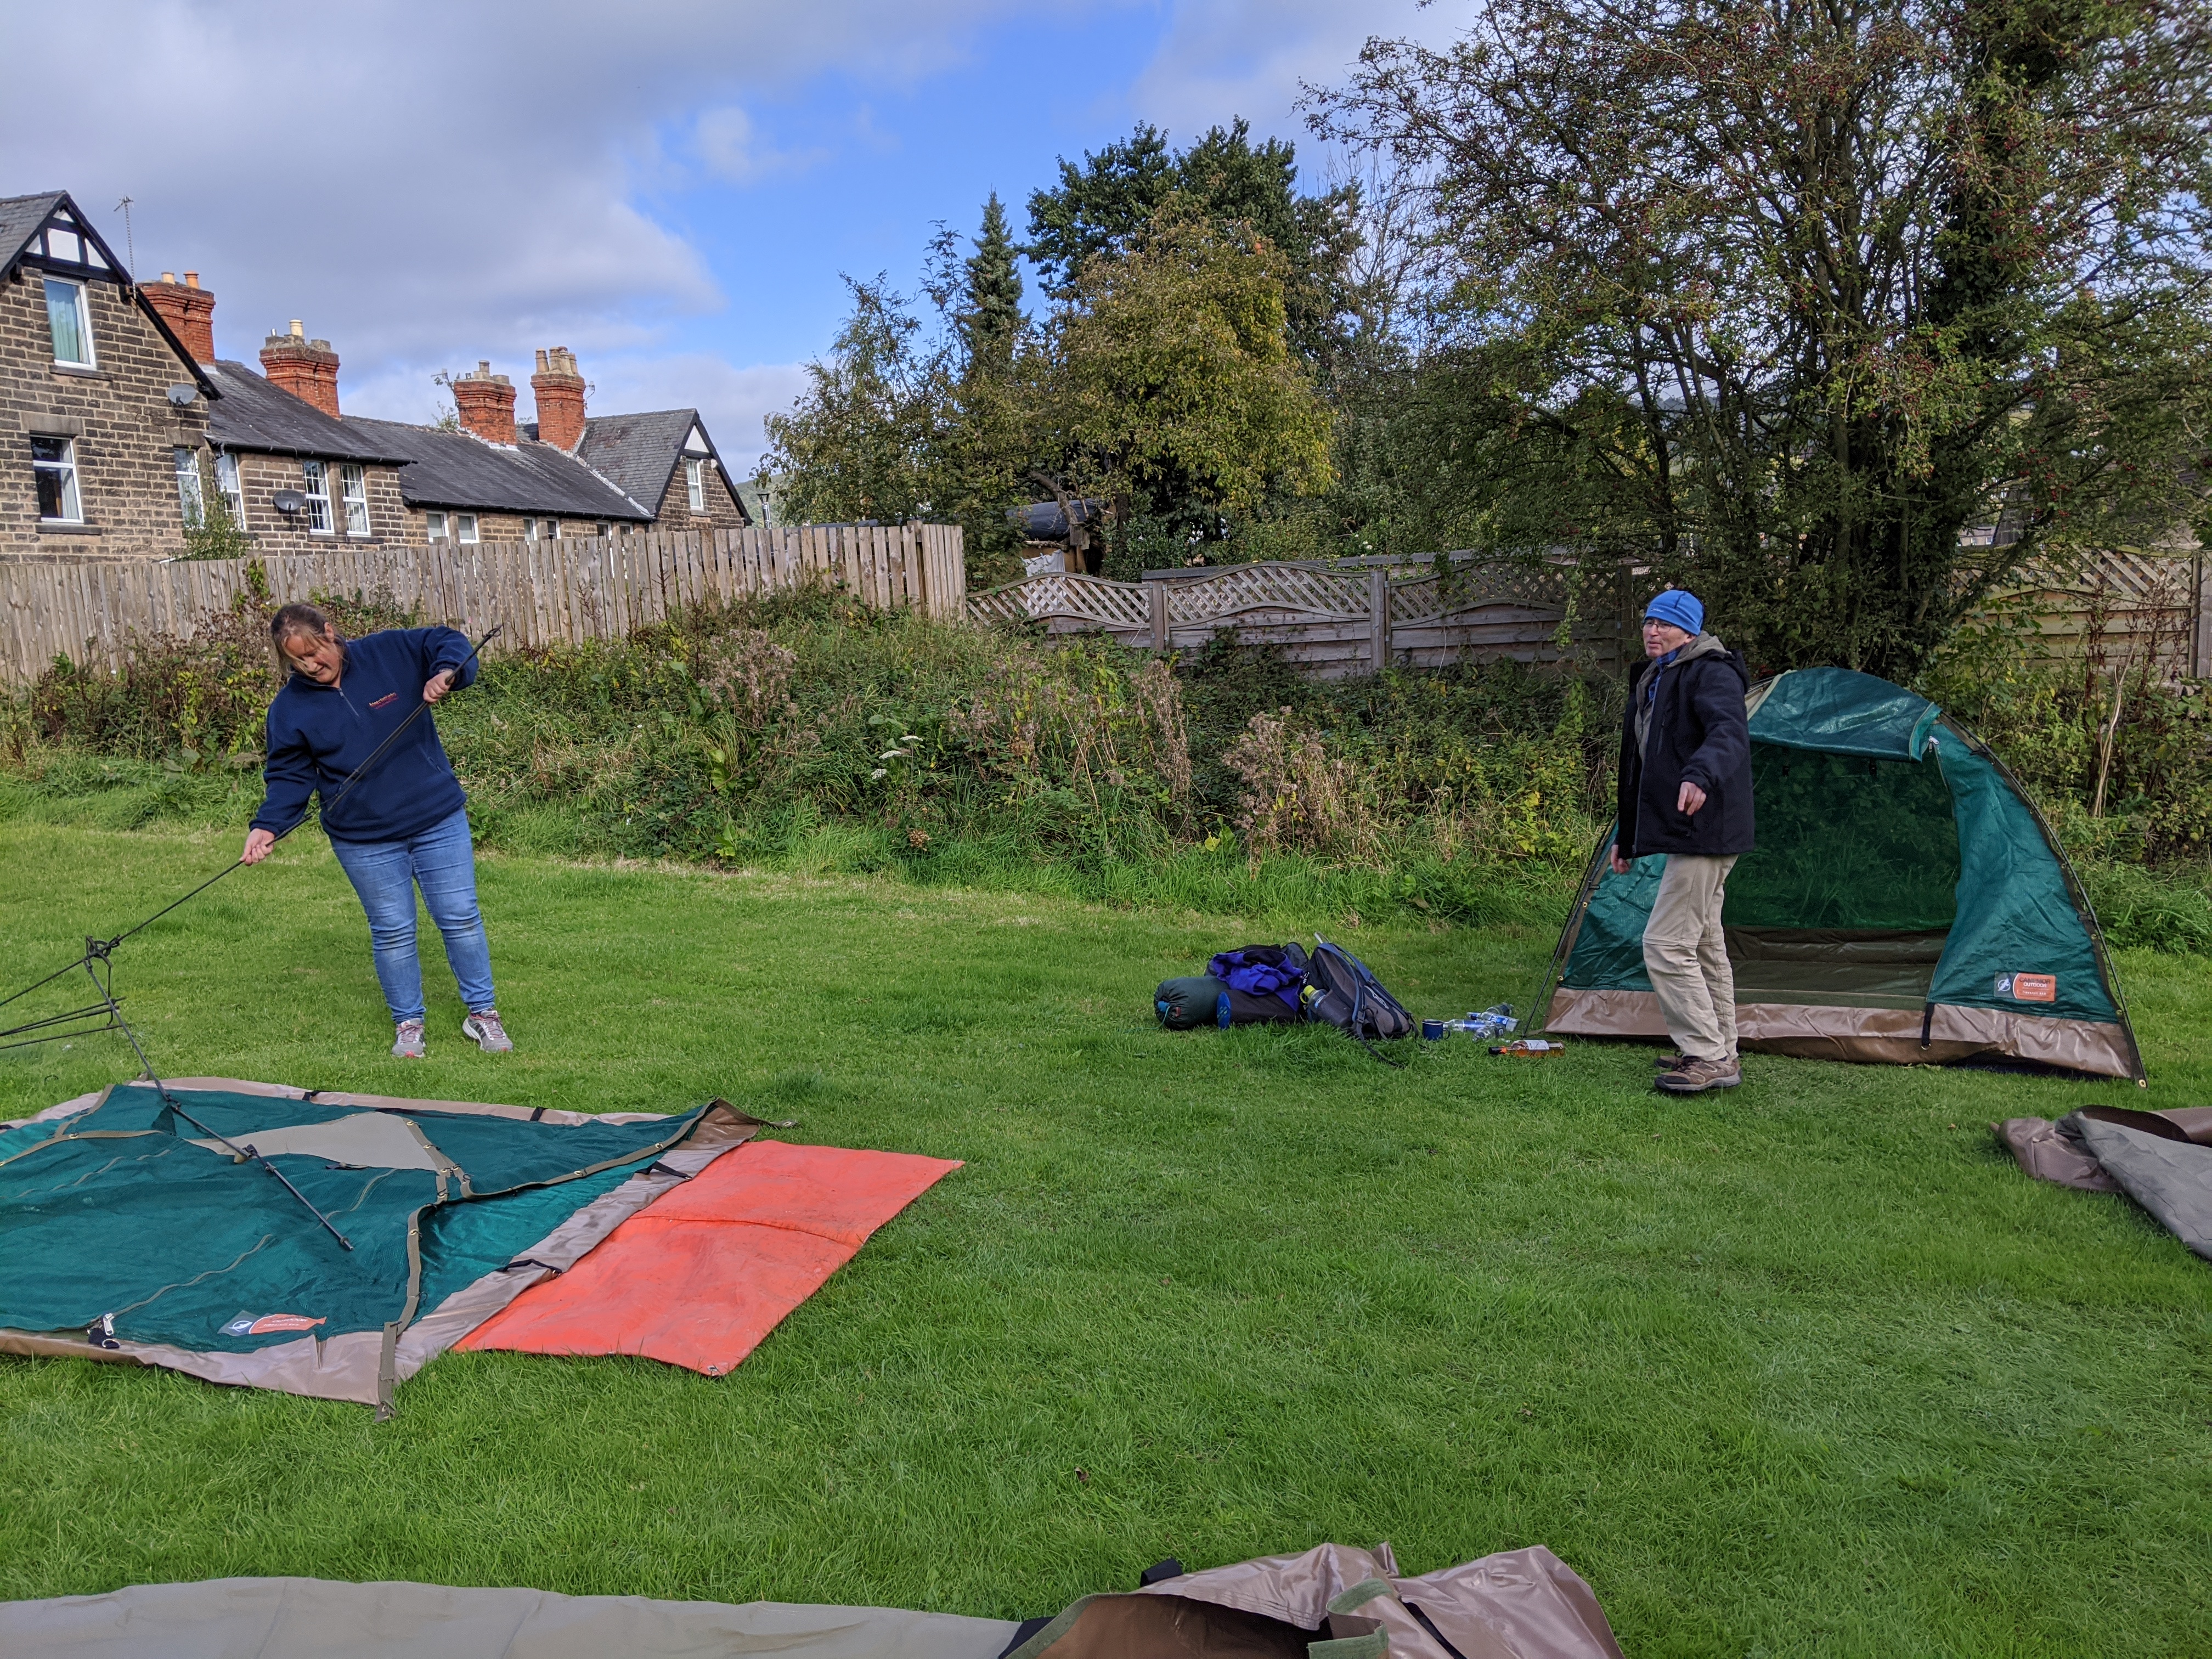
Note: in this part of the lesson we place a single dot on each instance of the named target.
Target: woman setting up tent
(401, 824)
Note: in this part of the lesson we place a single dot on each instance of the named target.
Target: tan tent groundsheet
(1333, 1601)
(2163, 1160)
(316, 1619)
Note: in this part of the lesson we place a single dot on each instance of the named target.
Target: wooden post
(1157, 593)
(1378, 619)
(2200, 632)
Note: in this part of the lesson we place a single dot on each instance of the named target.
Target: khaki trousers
(1687, 957)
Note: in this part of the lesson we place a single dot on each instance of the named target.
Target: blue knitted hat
(1681, 607)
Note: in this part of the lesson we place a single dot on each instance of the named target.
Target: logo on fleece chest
(385, 701)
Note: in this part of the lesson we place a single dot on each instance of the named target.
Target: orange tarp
(700, 1275)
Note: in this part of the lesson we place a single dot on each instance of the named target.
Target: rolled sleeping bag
(1184, 1004)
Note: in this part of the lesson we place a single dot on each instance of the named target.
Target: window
(53, 464)
(529, 530)
(188, 488)
(553, 530)
(467, 526)
(354, 485)
(602, 532)
(318, 493)
(434, 526)
(695, 480)
(70, 319)
(226, 485)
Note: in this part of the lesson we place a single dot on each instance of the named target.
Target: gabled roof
(254, 414)
(639, 453)
(21, 218)
(457, 470)
(23, 223)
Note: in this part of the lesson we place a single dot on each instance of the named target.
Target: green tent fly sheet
(132, 1233)
(1905, 903)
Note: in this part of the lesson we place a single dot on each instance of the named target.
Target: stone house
(664, 458)
(492, 481)
(130, 428)
(366, 481)
(104, 412)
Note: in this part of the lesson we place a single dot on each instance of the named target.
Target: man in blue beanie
(1685, 792)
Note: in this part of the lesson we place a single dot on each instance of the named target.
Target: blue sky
(672, 187)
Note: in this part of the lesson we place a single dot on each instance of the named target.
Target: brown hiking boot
(1694, 1077)
(1672, 1061)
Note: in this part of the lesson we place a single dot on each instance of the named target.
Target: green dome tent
(1906, 903)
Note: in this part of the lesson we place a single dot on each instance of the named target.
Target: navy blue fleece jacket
(318, 736)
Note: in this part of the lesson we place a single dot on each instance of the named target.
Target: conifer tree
(991, 318)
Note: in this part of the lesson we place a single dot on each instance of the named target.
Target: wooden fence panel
(92, 608)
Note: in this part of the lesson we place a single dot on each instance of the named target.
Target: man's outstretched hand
(437, 685)
(258, 843)
(1689, 799)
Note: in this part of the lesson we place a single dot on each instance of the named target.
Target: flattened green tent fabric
(124, 1213)
(1905, 903)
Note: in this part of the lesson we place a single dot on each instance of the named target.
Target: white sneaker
(487, 1032)
(408, 1040)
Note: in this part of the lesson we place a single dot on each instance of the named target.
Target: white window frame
(552, 530)
(191, 497)
(434, 527)
(315, 479)
(83, 304)
(72, 498)
(232, 489)
(529, 530)
(602, 533)
(465, 527)
(353, 494)
(694, 481)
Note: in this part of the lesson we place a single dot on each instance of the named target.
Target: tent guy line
(100, 950)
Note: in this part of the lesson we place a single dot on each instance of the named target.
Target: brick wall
(119, 416)
(722, 512)
(260, 477)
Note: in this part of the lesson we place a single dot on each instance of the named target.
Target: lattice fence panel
(1241, 588)
(1056, 594)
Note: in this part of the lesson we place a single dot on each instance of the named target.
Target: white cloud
(426, 183)
(726, 143)
(1249, 57)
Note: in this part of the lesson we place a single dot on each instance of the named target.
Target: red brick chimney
(307, 369)
(188, 309)
(485, 403)
(560, 392)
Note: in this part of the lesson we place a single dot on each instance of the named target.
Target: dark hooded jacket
(320, 736)
(1685, 721)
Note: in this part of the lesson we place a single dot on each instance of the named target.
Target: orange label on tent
(2028, 987)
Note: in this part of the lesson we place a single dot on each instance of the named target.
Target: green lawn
(1808, 1368)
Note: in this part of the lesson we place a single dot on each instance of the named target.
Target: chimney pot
(560, 392)
(307, 369)
(188, 309)
(168, 276)
(485, 404)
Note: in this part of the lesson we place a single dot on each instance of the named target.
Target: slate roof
(455, 470)
(252, 414)
(20, 219)
(640, 453)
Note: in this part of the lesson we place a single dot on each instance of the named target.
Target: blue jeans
(386, 874)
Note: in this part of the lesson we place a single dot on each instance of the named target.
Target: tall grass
(810, 734)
